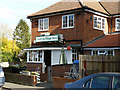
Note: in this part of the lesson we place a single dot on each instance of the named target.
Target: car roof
(108, 74)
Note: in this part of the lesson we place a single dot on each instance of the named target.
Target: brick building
(75, 23)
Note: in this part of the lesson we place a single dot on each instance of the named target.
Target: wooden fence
(95, 64)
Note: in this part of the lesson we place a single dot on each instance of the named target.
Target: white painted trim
(116, 16)
(45, 48)
(67, 21)
(97, 13)
(27, 56)
(113, 52)
(100, 48)
(105, 53)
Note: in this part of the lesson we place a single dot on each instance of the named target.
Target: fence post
(80, 66)
(85, 66)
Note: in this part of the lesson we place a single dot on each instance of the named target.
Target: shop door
(47, 60)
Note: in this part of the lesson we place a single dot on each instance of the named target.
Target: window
(74, 55)
(68, 21)
(117, 24)
(35, 56)
(43, 24)
(87, 84)
(100, 82)
(116, 82)
(99, 23)
(103, 52)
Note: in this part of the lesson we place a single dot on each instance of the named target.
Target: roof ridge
(105, 8)
(94, 40)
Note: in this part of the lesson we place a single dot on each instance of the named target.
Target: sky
(11, 11)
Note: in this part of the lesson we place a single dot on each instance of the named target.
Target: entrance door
(47, 60)
(47, 57)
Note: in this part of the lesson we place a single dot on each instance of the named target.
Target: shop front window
(35, 56)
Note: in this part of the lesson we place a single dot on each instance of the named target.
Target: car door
(116, 83)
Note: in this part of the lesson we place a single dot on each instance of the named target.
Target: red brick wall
(33, 66)
(87, 52)
(82, 30)
(89, 32)
(59, 70)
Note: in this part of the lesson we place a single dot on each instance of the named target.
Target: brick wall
(59, 70)
(83, 29)
(87, 52)
(33, 66)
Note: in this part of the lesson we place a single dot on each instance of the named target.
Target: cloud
(6, 13)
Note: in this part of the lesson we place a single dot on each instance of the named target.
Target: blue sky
(11, 11)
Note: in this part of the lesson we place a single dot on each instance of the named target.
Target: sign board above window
(47, 38)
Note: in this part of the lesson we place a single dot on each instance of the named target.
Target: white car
(2, 77)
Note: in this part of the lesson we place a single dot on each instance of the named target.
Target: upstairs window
(43, 24)
(99, 23)
(117, 26)
(68, 21)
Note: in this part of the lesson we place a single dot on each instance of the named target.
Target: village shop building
(68, 23)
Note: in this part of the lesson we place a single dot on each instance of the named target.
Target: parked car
(98, 80)
(2, 78)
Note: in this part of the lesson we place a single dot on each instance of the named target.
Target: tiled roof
(65, 5)
(112, 40)
(59, 6)
(112, 6)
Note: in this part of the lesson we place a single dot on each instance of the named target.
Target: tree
(9, 49)
(22, 35)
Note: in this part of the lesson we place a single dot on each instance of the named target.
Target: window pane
(116, 82)
(71, 17)
(103, 24)
(41, 24)
(100, 82)
(87, 84)
(118, 25)
(95, 21)
(64, 21)
(46, 23)
(99, 23)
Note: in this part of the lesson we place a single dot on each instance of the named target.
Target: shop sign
(47, 38)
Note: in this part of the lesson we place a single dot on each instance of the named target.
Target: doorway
(47, 60)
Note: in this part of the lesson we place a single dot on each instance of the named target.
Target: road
(12, 86)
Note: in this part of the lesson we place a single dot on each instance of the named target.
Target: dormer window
(117, 24)
(68, 21)
(43, 24)
(99, 23)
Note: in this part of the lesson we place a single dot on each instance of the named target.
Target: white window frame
(74, 54)
(105, 53)
(67, 22)
(43, 25)
(116, 24)
(33, 58)
(99, 21)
